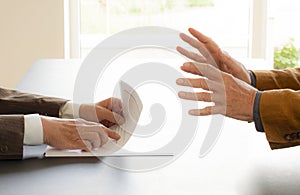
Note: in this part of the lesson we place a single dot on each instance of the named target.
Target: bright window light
(226, 21)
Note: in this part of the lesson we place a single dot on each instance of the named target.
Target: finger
(191, 41)
(196, 44)
(201, 96)
(201, 112)
(112, 134)
(202, 69)
(74, 144)
(209, 110)
(117, 106)
(191, 55)
(210, 45)
(196, 83)
(105, 114)
(93, 138)
(102, 132)
(103, 136)
(112, 104)
(87, 146)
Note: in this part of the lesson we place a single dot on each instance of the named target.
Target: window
(283, 17)
(246, 29)
(227, 22)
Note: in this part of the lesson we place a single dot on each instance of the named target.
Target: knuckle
(202, 83)
(207, 110)
(200, 96)
(205, 67)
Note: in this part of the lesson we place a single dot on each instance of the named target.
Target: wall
(30, 30)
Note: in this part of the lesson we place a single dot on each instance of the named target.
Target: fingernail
(181, 94)
(187, 64)
(180, 81)
(192, 112)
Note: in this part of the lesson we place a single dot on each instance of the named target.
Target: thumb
(88, 146)
(112, 134)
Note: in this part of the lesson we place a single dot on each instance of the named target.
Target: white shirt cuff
(33, 130)
(34, 151)
(70, 110)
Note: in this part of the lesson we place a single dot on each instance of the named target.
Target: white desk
(240, 163)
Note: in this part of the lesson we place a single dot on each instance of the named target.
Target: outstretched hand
(211, 53)
(231, 96)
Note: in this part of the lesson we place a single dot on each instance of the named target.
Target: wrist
(252, 104)
(252, 78)
(49, 126)
(45, 130)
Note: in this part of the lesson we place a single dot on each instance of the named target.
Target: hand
(108, 112)
(211, 53)
(231, 96)
(75, 133)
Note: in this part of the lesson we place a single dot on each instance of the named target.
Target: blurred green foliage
(200, 3)
(286, 56)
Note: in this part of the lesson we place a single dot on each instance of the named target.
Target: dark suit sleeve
(13, 105)
(279, 106)
(11, 136)
(16, 102)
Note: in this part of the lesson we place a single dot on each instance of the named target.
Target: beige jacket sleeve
(13, 106)
(280, 106)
